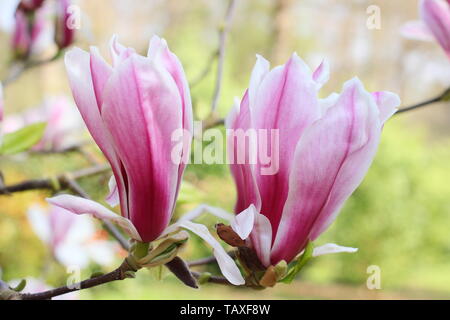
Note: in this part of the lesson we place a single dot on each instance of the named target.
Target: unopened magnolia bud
(30, 5)
(64, 30)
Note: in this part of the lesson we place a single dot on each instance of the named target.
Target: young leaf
(23, 139)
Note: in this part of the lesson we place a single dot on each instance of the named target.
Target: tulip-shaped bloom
(435, 23)
(30, 5)
(28, 31)
(64, 31)
(132, 109)
(325, 149)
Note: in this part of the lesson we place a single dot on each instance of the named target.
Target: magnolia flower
(131, 109)
(28, 32)
(62, 121)
(73, 240)
(325, 148)
(64, 33)
(30, 5)
(435, 23)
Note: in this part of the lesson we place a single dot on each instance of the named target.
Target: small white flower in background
(73, 240)
(63, 122)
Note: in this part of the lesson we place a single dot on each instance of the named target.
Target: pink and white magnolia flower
(62, 122)
(73, 240)
(325, 149)
(29, 32)
(131, 109)
(435, 23)
(31, 5)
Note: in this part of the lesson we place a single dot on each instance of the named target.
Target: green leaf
(23, 139)
(20, 286)
(301, 261)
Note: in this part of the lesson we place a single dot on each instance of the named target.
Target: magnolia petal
(81, 206)
(436, 15)
(261, 237)
(388, 104)
(243, 223)
(328, 102)
(332, 158)
(204, 208)
(39, 221)
(119, 53)
(416, 30)
(226, 263)
(113, 198)
(260, 70)
(286, 104)
(322, 74)
(332, 248)
(241, 166)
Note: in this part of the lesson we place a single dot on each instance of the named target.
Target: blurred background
(399, 217)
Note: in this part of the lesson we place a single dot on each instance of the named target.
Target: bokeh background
(399, 218)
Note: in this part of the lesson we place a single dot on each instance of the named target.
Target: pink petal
(330, 248)
(78, 65)
(119, 53)
(436, 15)
(239, 121)
(332, 158)
(243, 223)
(322, 74)
(261, 237)
(416, 30)
(141, 109)
(80, 206)
(388, 103)
(160, 53)
(286, 100)
(113, 198)
(226, 263)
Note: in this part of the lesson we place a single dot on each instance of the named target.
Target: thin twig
(119, 274)
(221, 59)
(19, 70)
(52, 183)
(213, 279)
(206, 70)
(442, 97)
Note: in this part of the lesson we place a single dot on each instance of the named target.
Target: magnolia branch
(64, 181)
(223, 34)
(177, 266)
(445, 96)
(121, 273)
(18, 70)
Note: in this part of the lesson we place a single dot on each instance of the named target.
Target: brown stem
(27, 65)
(49, 183)
(442, 97)
(118, 274)
(223, 34)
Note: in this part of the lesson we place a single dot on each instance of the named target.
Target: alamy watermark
(259, 147)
